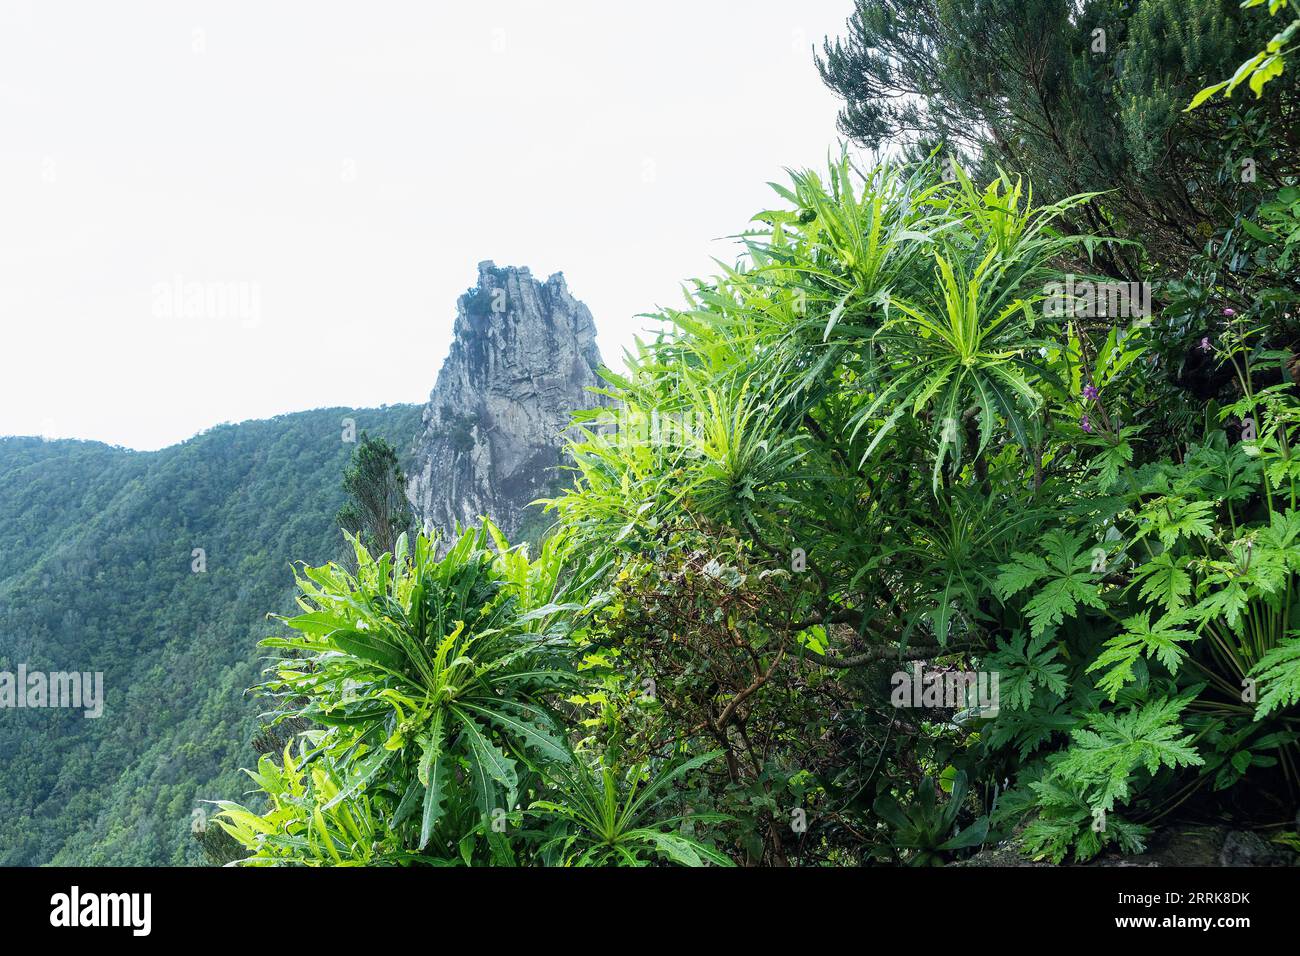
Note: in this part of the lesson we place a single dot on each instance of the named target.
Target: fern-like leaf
(1066, 581)
(1105, 755)
(1021, 668)
(1160, 640)
(1279, 672)
(1165, 580)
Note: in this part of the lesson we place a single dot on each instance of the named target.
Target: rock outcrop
(1175, 845)
(523, 357)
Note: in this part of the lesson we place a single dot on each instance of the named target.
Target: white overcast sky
(345, 166)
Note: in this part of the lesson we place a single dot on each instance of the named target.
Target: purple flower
(1229, 312)
(1090, 392)
(1205, 344)
(1085, 424)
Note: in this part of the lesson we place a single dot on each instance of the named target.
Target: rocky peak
(523, 355)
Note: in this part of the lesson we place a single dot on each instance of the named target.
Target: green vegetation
(1268, 64)
(430, 678)
(96, 574)
(1091, 98)
(892, 451)
(376, 510)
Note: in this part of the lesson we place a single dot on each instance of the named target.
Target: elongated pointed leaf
(433, 799)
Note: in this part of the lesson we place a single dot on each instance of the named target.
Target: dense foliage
(429, 678)
(896, 453)
(1092, 98)
(873, 447)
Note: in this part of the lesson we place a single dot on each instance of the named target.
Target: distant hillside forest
(96, 574)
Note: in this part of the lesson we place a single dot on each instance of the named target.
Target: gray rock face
(1175, 845)
(523, 355)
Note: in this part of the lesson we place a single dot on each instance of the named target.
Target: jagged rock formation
(523, 355)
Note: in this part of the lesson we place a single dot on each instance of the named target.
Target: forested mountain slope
(97, 574)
